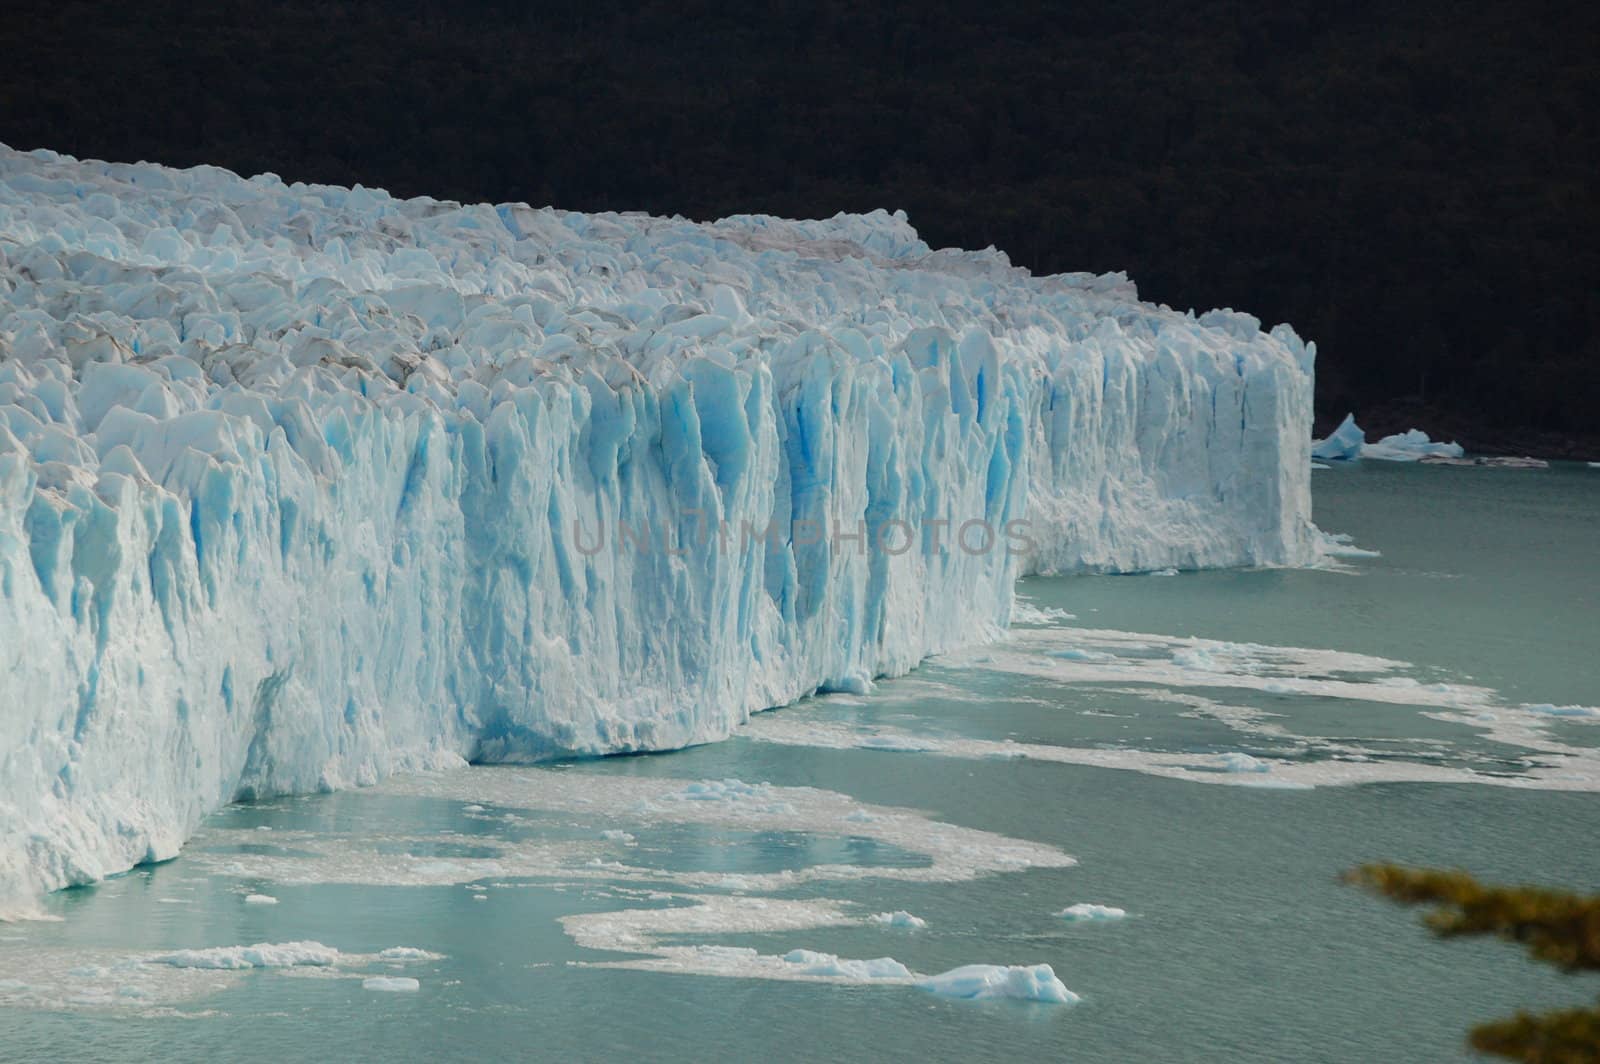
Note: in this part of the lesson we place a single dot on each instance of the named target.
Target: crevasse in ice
(302, 485)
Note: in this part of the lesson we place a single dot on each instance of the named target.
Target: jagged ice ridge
(301, 486)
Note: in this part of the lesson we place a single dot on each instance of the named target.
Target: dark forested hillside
(1412, 185)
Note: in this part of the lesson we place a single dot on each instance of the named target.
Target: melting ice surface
(301, 486)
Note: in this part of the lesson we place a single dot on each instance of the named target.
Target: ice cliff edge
(302, 485)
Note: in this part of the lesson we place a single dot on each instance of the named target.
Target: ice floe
(260, 955)
(643, 931)
(152, 982)
(1159, 668)
(1090, 912)
(898, 918)
(1410, 446)
(1349, 442)
(809, 962)
(392, 984)
(984, 982)
(948, 852)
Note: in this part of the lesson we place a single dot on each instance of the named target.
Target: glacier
(301, 486)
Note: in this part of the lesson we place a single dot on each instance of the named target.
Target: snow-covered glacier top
(303, 485)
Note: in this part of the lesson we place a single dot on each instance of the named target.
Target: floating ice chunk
(1199, 658)
(638, 931)
(1169, 571)
(54, 976)
(1089, 912)
(1345, 765)
(1237, 761)
(260, 899)
(390, 984)
(898, 918)
(260, 955)
(408, 953)
(1569, 712)
(618, 835)
(1348, 442)
(979, 982)
(1409, 446)
(808, 962)
(1343, 444)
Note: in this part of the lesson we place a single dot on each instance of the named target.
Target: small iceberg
(985, 982)
(1545, 709)
(1237, 761)
(810, 962)
(260, 899)
(1349, 442)
(1343, 444)
(1410, 446)
(898, 918)
(260, 955)
(390, 984)
(1089, 912)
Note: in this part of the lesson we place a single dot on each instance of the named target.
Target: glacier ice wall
(302, 485)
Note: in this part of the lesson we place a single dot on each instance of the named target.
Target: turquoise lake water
(1212, 749)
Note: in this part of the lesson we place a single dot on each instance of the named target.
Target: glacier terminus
(301, 486)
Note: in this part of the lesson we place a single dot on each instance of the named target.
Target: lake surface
(1205, 751)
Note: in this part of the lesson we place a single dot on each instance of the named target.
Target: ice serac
(301, 485)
